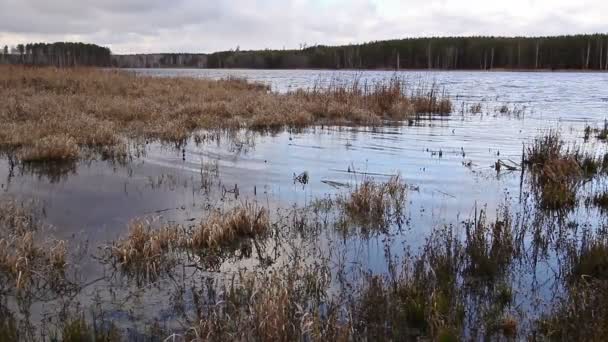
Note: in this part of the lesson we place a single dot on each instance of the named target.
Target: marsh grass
(558, 172)
(147, 251)
(457, 287)
(51, 148)
(476, 108)
(582, 312)
(600, 200)
(29, 266)
(600, 133)
(489, 247)
(78, 329)
(590, 262)
(282, 306)
(151, 249)
(223, 229)
(54, 114)
(374, 205)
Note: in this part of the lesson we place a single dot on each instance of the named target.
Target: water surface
(448, 162)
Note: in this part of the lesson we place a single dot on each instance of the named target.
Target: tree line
(57, 54)
(160, 60)
(578, 52)
(583, 52)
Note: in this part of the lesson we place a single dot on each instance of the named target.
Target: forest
(474, 53)
(578, 52)
(61, 54)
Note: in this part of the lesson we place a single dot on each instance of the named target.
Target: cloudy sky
(140, 26)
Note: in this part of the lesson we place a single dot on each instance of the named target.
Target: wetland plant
(600, 200)
(489, 247)
(372, 204)
(147, 250)
(28, 264)
(582, 312)
(151, 250)
(558, 172)
(57, 114)
(224, 229)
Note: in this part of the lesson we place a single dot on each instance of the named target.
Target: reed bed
(54, 114)
(424, 297)
(458, 286)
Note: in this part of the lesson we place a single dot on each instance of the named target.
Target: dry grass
(223, 229)
(590, 262)
(372, 204)
(600, 133)
(423, 299)
(51, 148)
(51, 114)
(545, 148)
(582, 314)
(282, 306)
(151, 250)
(27, 264)
(489, 247)
(147, 250)
(557, 171)
(600, 200)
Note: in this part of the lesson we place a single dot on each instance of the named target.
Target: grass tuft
(223, 229)
(371, 204)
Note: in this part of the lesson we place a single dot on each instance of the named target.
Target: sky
(147, 26)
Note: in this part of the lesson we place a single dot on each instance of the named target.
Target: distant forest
(580, 52)
(475, 53)
(57, 54)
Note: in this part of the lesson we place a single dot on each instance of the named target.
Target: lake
(448, 164)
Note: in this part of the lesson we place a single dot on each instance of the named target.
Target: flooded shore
(471, 229)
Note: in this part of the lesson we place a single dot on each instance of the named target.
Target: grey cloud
(204, 26)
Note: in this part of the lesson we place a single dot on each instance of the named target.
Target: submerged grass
(373, 204)
(147, 250)
(151, 250)
(582, 313)
(423, 297)
(223, 229)
(558, 172)
(28, 265)
(489, 247)
(55, 114)
(599, 133)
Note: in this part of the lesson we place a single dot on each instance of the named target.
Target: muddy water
(447, 162)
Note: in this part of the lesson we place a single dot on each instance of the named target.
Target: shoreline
(495, 70)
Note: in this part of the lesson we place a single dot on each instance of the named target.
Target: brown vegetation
(51, 114)
(557, 171)
(600, 133)
(372, 204)
(582, 314)
(27, 264)
(222, 229)
(148, 250)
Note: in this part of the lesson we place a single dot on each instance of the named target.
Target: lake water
(448, 162)
(448, 185)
